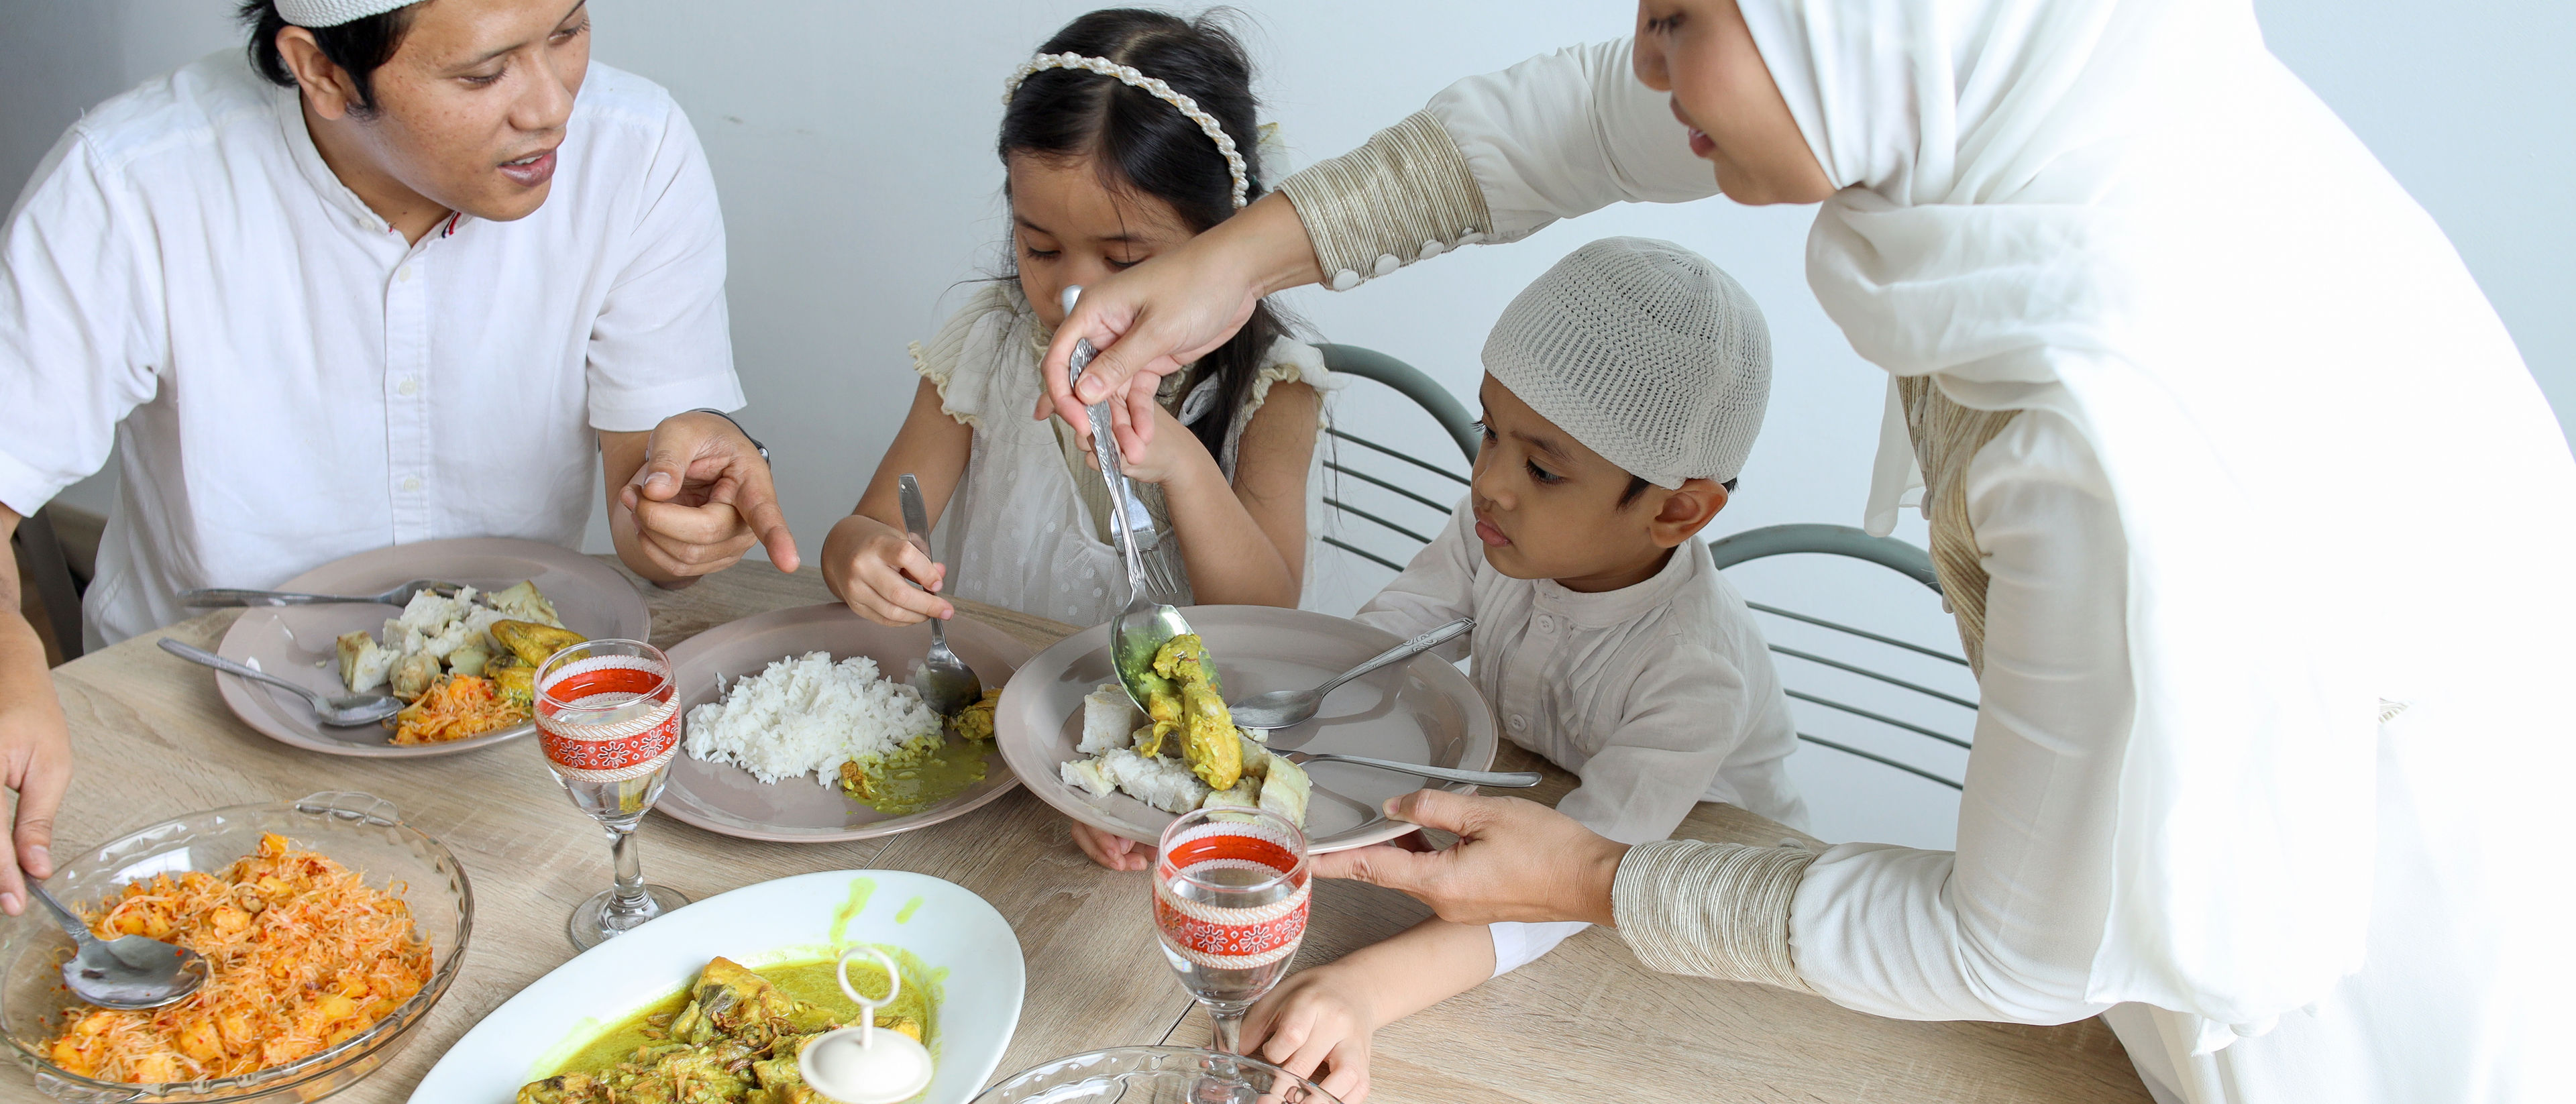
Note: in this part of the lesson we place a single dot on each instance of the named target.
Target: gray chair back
(41, 552)
(1395, 510)
(1929, 713)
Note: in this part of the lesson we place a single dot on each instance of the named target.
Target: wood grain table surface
(1585, 1024)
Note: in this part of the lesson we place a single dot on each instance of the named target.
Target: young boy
(1622, 392)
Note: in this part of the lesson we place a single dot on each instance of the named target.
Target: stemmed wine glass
(610, 727)
(1231, 896)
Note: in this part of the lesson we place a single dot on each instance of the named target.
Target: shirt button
(411, 483)
(1519, 722)
(1545, 624)
(404, 276)
(410, 385)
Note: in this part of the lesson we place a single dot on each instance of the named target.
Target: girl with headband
(1128, 134)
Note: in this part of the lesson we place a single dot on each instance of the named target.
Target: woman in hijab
(2254, 523)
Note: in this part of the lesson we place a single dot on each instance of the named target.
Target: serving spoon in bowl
(127, 972)
(340, 712)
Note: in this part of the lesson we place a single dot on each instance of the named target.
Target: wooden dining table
(152, 740)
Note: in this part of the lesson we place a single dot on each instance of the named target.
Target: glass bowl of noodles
(342, 925)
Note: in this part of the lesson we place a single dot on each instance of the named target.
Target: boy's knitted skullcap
(1646, 353)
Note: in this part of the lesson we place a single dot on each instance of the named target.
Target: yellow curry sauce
(810, 983)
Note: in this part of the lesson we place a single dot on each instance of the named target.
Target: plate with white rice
(773, 704)
(1070, 744)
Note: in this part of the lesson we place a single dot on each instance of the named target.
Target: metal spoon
(398, 596)
(1282, 708)
(1510, 780)
(344, 712)
(945, 682)
(1145, 625)
(127, 972)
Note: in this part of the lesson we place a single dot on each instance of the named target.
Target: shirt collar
(1626, 604)
(289, 104)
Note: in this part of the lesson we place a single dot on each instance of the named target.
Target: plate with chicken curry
(1078, 741)
(715, 1002)
(462, 662)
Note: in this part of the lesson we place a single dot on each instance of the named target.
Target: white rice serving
(809, 715)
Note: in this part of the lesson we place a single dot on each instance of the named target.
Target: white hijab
(2128, 212)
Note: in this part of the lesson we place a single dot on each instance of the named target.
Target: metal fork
(398, 596)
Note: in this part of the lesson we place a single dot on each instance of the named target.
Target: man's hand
(1515, 860)
(695, 498)
(35, 747)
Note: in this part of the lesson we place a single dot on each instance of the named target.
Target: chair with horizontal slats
(1391, 464)
(1895, 694)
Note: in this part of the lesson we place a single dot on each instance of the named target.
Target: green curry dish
(922, 773)
(735, 1042)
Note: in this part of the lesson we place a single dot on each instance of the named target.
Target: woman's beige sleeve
(1405, 196)
(1717, 910)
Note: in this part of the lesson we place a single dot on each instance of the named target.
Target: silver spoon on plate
(945, 682)
(340, 712)
(1283, 708)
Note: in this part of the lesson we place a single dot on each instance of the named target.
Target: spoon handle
(1512, 780)
(201, 599)
(1104, 444)
(916, 523)
(1401, 652)
(194, 654)
(71, 921)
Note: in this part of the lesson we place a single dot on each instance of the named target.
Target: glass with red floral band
(1231, 896)
(610, 726)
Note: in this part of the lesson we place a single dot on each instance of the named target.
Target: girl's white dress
(1028, 529)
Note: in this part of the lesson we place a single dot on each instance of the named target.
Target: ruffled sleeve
(971, 360)
(1287, 361)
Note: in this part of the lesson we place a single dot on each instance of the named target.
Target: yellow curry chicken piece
(1208, 741)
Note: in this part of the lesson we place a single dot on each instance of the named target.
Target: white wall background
(852, 145)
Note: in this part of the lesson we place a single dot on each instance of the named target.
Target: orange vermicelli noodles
(456, 707)
(304, 956)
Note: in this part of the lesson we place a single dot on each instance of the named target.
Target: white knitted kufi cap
(1646, 353)
(332, 13)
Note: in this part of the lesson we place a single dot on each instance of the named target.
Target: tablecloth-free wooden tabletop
(1585, 1024)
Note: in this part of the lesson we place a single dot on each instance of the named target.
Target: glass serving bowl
(1155, 1075)
(359, 831)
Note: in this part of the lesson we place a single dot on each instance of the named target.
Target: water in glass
(1231, 896)
(610, 727)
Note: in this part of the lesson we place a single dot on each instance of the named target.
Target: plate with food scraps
(337, 926)
(523, 588)
(799, 726)
(739, 975)
(1059, 723)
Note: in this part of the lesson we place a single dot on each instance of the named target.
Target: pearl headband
(1128, 75)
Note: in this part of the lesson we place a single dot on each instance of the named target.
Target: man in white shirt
(343, 307)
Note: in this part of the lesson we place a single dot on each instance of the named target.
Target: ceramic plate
(1419, 711)
(300, 643)
(955, 937)
(727, 799)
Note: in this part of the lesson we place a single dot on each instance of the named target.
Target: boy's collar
(1614, 607)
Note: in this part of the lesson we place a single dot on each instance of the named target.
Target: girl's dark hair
(360, 45)
(1144, 146)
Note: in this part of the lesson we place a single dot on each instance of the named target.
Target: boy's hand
(867, 563)
(1317, 1020)
(1110, 849)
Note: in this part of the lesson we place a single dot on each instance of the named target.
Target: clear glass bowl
(359, 831)
(1155, 1075)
